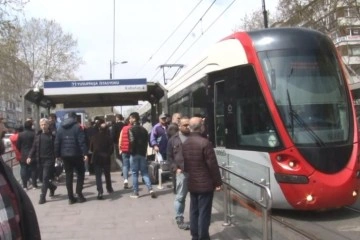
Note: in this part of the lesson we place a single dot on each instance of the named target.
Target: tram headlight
(292, 164)
(354, 193)
(309, 198)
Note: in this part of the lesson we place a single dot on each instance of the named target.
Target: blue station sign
(95, 86)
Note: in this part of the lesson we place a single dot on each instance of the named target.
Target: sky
(141, 28)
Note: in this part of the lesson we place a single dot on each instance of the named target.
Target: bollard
(227, 221)
(160, 179)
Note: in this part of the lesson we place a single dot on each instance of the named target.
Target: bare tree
(10, 76)
(252, 21)
(50, 53)
(318, 14)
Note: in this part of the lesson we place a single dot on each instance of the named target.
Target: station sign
(95, 86)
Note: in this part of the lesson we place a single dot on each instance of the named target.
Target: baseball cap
(163, 115)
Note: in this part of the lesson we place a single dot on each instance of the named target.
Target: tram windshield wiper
(295, 116)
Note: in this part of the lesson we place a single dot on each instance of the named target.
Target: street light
(112, 67)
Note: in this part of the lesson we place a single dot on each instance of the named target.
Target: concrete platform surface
(117, 216)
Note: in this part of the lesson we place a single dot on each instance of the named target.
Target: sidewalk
(117, 216)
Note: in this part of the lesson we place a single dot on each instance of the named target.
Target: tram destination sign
(95, 86)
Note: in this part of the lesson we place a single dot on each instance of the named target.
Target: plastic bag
(159, 157)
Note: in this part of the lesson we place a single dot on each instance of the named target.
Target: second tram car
(278, 110)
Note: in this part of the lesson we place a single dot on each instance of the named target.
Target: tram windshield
(309, 91)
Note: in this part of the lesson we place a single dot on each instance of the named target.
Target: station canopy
(96, 93)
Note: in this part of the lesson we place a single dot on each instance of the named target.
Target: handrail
(267, 189)
(265, 194)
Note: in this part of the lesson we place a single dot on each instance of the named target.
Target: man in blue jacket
(70, 146)
(158, 136)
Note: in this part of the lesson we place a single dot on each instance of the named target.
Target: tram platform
(117, 216)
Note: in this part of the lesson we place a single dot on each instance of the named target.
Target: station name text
(95, 83)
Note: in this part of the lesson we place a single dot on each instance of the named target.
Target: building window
(351, 12)
(354, 50)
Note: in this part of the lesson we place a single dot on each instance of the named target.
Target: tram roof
(94, 96)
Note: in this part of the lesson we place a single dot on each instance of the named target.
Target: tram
(279, 111)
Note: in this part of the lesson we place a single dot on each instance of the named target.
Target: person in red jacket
(13, 139)
(124, 150)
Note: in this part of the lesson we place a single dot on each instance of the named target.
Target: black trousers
(200, 215)
(72, 164)
(48, 168)
(99, 169)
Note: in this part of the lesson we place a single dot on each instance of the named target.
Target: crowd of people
(179, 140)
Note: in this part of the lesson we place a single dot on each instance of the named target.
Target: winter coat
(70, 140)
(102, 147)
(24, 143)
(13, 139)
(34, 153)
(116, 130)
(201, 164)
(158, 137)
(138, 137)
(174, 153)
(124, 141)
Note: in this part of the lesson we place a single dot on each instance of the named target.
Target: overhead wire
(171, 34)
(212, 23)
(172, 54)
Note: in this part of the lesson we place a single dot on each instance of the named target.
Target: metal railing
(265, 201)
(9, 158)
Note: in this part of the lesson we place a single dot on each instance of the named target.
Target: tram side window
(199, 99)
(255, 127)
(181, 105)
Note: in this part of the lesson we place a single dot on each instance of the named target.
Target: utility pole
(265, 14)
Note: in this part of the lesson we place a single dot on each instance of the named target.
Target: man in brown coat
(204, 177)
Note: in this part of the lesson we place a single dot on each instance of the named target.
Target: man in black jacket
(138, 138)
(24, 145)
(42, 152)
(70, 145)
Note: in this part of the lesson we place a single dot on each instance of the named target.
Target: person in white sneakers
(138, 139)
(124, 151)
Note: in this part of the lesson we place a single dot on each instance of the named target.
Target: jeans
(28, 171)
(70, 164)
(126, 165)
(200, 214)
(99, 168)
(139, 163)
(181, 192)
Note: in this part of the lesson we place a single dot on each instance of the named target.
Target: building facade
(15, 78)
